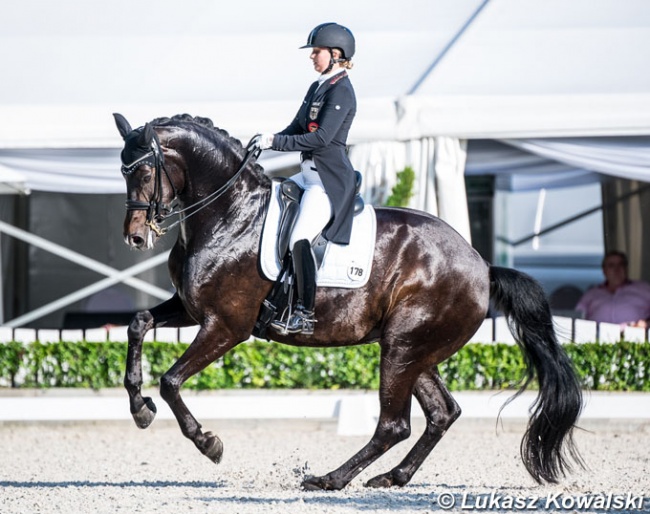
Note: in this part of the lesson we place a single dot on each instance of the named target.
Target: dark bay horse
(428, 293)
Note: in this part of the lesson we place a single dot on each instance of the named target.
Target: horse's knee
(140, 324)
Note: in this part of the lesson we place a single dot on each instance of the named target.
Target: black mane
(189, 122)
(183, 119)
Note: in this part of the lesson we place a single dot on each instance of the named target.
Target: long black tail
(547, 447)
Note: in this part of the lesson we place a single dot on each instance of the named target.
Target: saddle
(290, 196)
(281, 294)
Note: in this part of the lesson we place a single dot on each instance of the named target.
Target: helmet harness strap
(332, 61)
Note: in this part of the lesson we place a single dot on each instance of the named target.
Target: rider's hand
(261, 142)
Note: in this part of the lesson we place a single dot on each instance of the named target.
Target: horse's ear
(146, 136)
(122, 125)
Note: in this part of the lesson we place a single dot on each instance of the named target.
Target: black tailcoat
(320, 131)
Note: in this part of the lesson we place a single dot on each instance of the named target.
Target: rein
(156, 206)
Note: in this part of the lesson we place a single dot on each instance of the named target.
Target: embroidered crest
(312, 127)
(314, 110)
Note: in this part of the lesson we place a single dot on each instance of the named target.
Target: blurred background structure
(518, 116)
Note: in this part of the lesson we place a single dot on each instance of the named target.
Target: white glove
(261, 142)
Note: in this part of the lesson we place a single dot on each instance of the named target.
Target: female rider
(319, 131)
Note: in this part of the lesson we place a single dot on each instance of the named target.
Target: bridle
(157, 211)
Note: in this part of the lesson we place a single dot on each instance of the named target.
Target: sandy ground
(115, 467)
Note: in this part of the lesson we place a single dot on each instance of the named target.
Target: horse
(428, 293)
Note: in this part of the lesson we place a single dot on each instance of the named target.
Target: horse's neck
(235, 218)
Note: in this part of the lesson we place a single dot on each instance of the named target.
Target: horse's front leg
(209, 345)
(169, 313)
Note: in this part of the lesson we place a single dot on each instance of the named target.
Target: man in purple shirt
(618, 299)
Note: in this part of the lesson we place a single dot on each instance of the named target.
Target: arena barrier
(492, 330)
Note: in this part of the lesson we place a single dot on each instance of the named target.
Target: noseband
(157, 211)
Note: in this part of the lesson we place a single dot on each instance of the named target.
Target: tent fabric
(89, 170)
(439, 165)
(526, 72)
(621, 157)
(519, 164)
(529, 164)
(239, 66)
(11, 182)
(467, 69)
(528, 69)
(518, 170)
(462, 68)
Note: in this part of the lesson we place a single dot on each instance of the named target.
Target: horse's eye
(146, 179)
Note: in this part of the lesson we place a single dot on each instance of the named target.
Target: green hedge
(618, 367)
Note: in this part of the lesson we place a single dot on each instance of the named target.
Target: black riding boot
(304, 267)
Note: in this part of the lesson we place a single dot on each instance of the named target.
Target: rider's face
(321, 58)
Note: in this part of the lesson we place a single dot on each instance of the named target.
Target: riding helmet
(332, 35)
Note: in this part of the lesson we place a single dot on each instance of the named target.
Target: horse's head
(149, 187)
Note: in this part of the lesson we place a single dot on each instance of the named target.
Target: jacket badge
(314, 110)
(312, 127)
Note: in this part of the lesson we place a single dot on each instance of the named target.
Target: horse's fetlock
(400, 477)
(139, 325)
(132, 383)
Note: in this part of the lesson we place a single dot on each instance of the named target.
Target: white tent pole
(88, 290)
(82, 260)
(447, 47)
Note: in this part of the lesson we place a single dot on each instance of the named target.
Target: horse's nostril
(137, 241)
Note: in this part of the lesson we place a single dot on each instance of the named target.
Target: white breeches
(315, 207)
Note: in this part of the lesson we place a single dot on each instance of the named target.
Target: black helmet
(332, 35)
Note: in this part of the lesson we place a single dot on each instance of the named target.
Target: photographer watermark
(550, 502)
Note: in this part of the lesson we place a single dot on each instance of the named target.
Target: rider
(319, 131)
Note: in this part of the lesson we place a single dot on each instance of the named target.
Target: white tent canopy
(426, 68)
(11, 182)
(496, 69)
(527, 68)
(236, 62)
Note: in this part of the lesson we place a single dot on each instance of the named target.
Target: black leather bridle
(157, 211)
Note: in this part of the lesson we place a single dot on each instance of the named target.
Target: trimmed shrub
(614, 367)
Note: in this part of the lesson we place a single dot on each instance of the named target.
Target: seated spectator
(618, 299)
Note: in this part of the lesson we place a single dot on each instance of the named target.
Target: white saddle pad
(346, 266)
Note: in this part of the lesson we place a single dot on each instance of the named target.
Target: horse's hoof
(212, 448)
(380, 481)
(145, 416)
(312, 483)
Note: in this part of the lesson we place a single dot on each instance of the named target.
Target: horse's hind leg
(399, 370)
(170, 313)
(440, 411)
